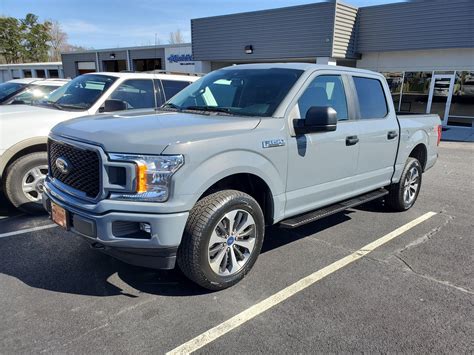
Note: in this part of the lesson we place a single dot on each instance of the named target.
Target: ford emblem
(63, 165)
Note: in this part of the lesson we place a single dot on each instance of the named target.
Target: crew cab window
(371, 96)
(136, 93)
(325, 91)
(172, 87)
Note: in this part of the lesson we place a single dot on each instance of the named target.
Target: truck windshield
(80, 93)
(246, 92)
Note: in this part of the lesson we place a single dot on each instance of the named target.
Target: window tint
(371, 97)
(172, 87)
(247, 92)
(325, 91)
(136, 93)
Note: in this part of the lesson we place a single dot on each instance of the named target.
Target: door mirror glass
(318, 119)
(113, 105)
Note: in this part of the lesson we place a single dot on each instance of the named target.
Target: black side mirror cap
(318, 119)
(113, 105)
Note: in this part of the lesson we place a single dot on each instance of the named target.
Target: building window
(416, 88)
(27, 73)
(462, 103)
(395, 82)
(115, 65)
(53, 73)
(147, 64)
(40, 73)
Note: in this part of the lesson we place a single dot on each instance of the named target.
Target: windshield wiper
(210, 109)
(171, 105)
(66, 106)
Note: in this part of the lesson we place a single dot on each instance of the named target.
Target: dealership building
(424, 48)
(172, 58)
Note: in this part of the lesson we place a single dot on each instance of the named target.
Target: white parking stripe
(28, 230)
(234, 322)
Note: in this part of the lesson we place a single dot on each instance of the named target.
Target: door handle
(351, 140)
(392, 134)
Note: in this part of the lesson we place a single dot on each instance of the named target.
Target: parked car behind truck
(24, 128)
(244, 147)
(26, 91)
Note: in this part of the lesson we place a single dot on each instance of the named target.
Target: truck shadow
(56, 261)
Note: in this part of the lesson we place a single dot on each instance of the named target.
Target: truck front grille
(82, 168)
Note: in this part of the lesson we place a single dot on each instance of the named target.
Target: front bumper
(118, 233)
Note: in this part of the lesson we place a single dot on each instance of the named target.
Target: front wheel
(24, 182)
(403, 195)
(222, 239)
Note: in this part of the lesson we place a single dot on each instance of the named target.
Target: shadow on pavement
(57, 261)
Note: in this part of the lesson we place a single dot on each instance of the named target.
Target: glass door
(439, 99)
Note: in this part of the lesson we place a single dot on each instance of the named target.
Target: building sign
(181, 59)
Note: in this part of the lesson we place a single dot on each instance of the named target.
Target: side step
(312, 216)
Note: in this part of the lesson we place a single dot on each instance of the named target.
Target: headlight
(153, 175)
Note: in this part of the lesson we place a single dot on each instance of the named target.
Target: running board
(312, 216)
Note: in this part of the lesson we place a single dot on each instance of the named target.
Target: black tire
(203, 219)
(395, 199)
(13, 182)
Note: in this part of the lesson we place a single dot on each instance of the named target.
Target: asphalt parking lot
(414, 293)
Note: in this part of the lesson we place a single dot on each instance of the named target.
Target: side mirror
(113, 105)
(318, 119)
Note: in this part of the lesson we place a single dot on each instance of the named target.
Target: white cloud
(79, 27)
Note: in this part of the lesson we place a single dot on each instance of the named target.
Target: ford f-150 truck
(243, 147)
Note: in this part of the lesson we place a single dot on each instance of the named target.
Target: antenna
(156, 51)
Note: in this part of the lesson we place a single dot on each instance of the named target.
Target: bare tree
(58, 42)
(176, 37)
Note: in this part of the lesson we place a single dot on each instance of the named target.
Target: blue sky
(106, 23)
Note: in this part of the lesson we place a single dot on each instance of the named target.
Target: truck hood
(151, 133)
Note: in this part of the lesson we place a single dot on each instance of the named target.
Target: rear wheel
(24, 182)
(222, 239)
(403, 195)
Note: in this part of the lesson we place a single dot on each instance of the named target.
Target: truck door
(378, 133)
(322, 165)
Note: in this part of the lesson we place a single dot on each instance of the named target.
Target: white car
(27, 90)
(24, 128)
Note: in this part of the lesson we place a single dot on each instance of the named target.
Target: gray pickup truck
(243, 147)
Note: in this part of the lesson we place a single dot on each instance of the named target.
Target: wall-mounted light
(249, 49)
(112, 55)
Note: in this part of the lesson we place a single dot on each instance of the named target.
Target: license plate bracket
(59, 216)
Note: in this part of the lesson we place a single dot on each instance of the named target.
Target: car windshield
(80, 93)
(32, 93)
(7, 89)
(246, 92)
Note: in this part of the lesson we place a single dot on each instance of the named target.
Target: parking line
(250, 313)
(28, 230)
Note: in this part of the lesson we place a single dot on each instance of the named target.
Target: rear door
(378, 132)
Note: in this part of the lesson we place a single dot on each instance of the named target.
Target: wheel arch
(250, 184)
(420, 152)
(27, 146)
